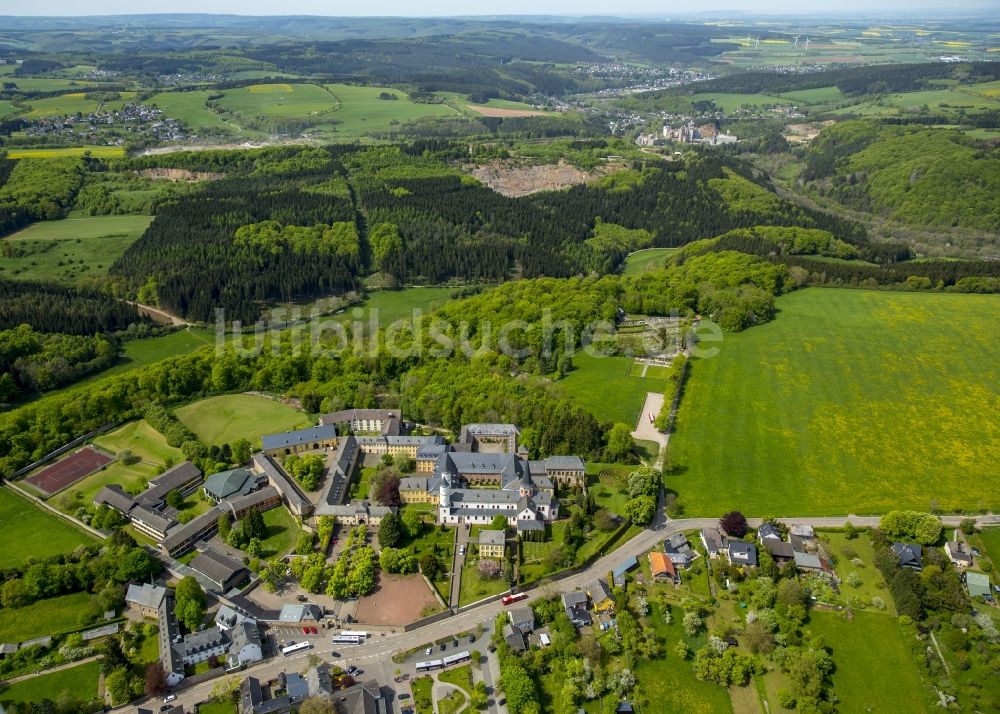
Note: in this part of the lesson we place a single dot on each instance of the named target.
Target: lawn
(50, 616)
(422, 687)
(475, 588)
(819, 413)
(98, 152)
(80, 681)
(361, 485)
(820, 95)
(603, 386)
(281, 532)
(869, 576)
(142, 440)
(460, 677)
(859, 665)
(645, 260)
(223, 420)
(71, 250)
(989, 538)
(22, 522)
(731, 102)
(217, 708)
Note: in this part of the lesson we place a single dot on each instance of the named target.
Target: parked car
(428, 650)
(335, 654)
(444, 646)
(302, 598)
(169, 698)
(305, 630)
(313, 631)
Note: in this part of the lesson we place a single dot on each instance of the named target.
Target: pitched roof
(742, 552)
(175, 477)
(145, 595)
(660, 564)
(768, 530)
(291, 612)
(215, 566)
(957, 551)
(564, 463)
(810, 561)
(114, 495)
(153, 519)
(909, 555)
(779, 548)
(323, 432)
(192, 529)
(522, 615)
(625, 566)
(712, 539)
(492, 537)
(227, 484)
(279, 479)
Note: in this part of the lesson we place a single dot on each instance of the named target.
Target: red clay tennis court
(68, 471)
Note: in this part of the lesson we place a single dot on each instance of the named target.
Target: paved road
(380, 648)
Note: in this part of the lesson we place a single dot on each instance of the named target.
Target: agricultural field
(190, 108)
(223, 420)
(50, 616)
(98, 152)
(820, 95)
(80, 681)
(70, 250)
(361, 112)
(72, 103)
(642, 261)
(7, 107)
(731, 102)
(859, 664)
(45, 84)
(283, 100)
(22, 521)
(604, 386)
(815, 413)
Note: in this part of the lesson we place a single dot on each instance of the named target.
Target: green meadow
(190, 108)
(283, 100)
(850, 401)
(223, 420)
(70, 250)
(731, 102)
(22, 521)
(820, 95)
(605, 387)
(72, 103)
(882, 678)
(50, 616)
(642, 261)
(395, 305)
(361, 111)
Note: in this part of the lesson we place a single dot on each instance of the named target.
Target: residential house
(663, 568)
(712, 540)
(523, 618)
(600, 596)
(575, 605)
(312, 438)
(492, 543)
(802, 530)
(978, 585)
(740, 552)
(145, 599)
(958, 553)
(781, 551)
(223, 572)
(811, 562)
(514, 638)
(768, 531)
(909, 555)
(680, 552)
(295, 685)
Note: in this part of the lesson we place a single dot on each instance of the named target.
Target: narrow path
(440, 690)
(157, 312)
(645, 430)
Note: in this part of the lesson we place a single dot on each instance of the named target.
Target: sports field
(71, 250)
(604, 386)
(22, 521)
(851, 401)
(223, 420)
(859, 664)
(68, 470)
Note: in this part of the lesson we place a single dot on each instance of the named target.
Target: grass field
(475, 588)
(281, 532)
(859, 664)
(98, 152)
(731, 102)
(80, 681)
(603, 386)
(870, 578)
(45, 617)
(820, 95)
(189, 107)
(71, 250)
(6, 107)
(22, 522)
(642, 261)
(44, 84)
(72, 103)
(217, 708)
(849, 402)
(223, 420)
(281, 100)
(394, 305)
(362, 112)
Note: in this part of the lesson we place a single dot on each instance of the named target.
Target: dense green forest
(932, 177)
(37, 189)
(48, 307)
(35, 362)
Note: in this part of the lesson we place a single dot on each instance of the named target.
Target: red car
(313, 631)
(305, 630)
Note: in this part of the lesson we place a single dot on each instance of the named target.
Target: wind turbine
(807, 44)
(748, 39)
(797, 40)
(756, 42)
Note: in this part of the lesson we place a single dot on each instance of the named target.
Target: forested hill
(926, 177)
(294, 224)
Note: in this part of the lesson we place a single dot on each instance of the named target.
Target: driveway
(646, 431)
(461, 539)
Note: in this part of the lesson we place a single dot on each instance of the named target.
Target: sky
(427, 8)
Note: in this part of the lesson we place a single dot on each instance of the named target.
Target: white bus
(457, 658)
(430, 665)
(292, 649)
(360, 634)
(343, 639)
